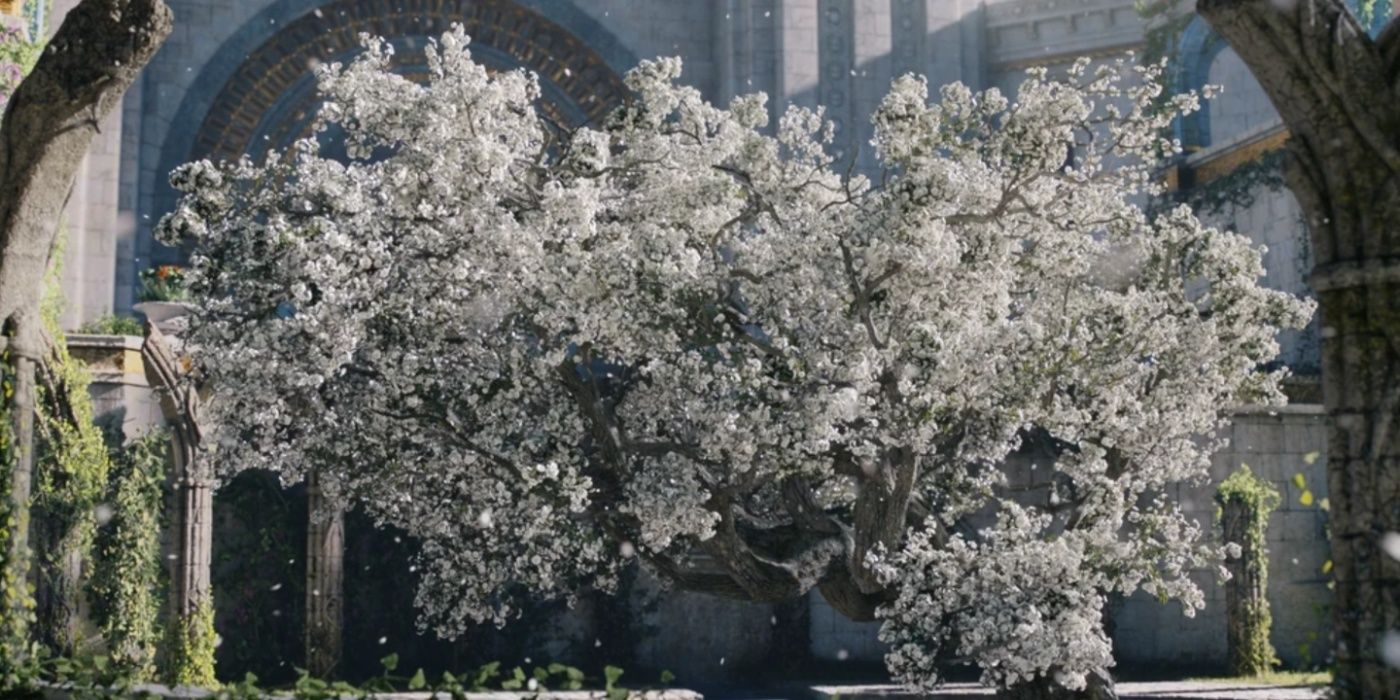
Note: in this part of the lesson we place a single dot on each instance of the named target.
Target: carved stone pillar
(1246, 594)
(17, 455)
(191, 602)
(325, 580)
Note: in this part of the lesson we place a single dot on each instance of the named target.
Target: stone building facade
(235, 78)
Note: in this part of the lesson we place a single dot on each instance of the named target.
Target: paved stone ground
(161, 692)
(1159, 690)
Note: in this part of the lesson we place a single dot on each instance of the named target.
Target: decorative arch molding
(257, 91)
(1198, 49)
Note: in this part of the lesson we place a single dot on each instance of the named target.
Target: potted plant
(163, 294)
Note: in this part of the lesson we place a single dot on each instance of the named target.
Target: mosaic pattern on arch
(271, 99)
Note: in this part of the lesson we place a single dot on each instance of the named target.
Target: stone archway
(270, 100)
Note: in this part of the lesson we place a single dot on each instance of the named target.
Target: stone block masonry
(1281, 445)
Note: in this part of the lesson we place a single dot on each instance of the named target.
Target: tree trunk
(45, 132)
(58, 591)
(325, 581)
(1338, 92)
(1100, 688)
(1249, 652)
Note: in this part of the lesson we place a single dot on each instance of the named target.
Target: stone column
(193, 540)
(190, 652)
(325, 580)
(17, 455)
(1246, 601)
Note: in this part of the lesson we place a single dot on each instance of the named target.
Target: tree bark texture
(59, 590)
(1249, 652)
(1338, 91)
(46, 129)
(325, 581)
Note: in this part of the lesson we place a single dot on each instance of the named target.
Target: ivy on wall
(71, 465)
(1238, 189)
(72, 468)
(1254, 653)
(127, 577)
(189, 649)
(17, 56)
(16, 598)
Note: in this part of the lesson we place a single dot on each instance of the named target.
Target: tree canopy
(684, 337)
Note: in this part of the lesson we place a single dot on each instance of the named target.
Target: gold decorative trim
(1186, 174)
(1219, 166)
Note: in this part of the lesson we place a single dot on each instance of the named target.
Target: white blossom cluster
(540, 350)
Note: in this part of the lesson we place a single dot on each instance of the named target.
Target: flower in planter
(163, 283)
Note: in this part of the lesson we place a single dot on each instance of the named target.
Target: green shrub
(111, 324)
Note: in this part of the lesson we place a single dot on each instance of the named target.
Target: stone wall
(122, 401)
(701, 638)
(1278, 445)
(90, 217)
(1242, 107)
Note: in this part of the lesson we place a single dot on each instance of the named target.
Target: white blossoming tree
(544, 352)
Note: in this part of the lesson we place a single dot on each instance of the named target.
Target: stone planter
(121, 398)
(167, 315)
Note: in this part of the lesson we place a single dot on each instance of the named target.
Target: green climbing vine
(71, 465)
(16, 598)
(17, 56)
(1238, 189)
(1258, 499)
(126, 580)
(189, 649)
(1373, 14)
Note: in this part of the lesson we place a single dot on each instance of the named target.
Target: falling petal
(1390, 649)
(1390, 543)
